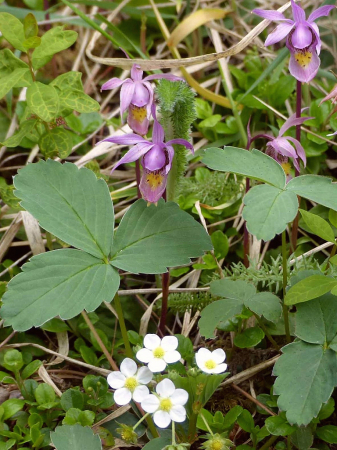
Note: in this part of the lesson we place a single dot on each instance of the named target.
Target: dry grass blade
(63, 347)
(10, 234)
(33, 233)
(46, 378)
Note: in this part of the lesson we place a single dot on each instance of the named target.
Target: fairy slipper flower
(157, 353)
(332, 96)
(211, 362)
(167, 404)
(137, 97)
(303, 39)
(130, 382)
(156, 158)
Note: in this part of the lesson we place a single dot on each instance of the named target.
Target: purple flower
(137, 97)
(280, 148)
(303, 38)
(332, 96)
(156, 158)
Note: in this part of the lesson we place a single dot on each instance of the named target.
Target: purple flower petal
(126, 95)
(141, 95)
(170, 152)
(269, 14)
(134, 153)
(298, 12)
(303, 65)
(136, 73)
(149, 87)
(113, 83)
(320, 12)
(315, 30)
(167, 76)
(152, 185)
(158, 132)
(299, 149)
(282, 146)
(137, 119)
(127, 139)
(332, 134)
(155, 159)
(280, 32)
(292, 122)
(302, 36)
(181, 142)
(332, 96)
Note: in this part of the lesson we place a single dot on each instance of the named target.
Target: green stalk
(266, 332)
(206, 424)
(119, 310)
(285, 274)
(140, 421)
(269, 443)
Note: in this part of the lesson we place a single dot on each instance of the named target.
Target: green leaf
(246, 421)
(77, 100)
(249, 337)
(333, 217)
(30, 26)
(30, 369)
(17, 137)
(72, 398)
(152, 238)
(53, 41)
(327, 409)
(301, 397)
(75, 437)
(12, 80)
(315, 188)
(253, 164)
(8, 64)
(328, 433)
(13, 360)
(316, 320)
(44, 394)
(32, 42)
(84, 418)
(309, 288)
(55, 326)
(302, 438)
(231, 416)
(11, 407)
(265, 304)
(215, 313)
(318, 226)
(236, 290)
(68, 80)
(268, 210)
(12, 30)
(70, 203)
(58, 283)
(88, 355)
(220, 244)
(43, 101)
(56, 142)
(157, 443)
(278, 426)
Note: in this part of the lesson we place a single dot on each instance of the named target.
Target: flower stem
(269, 443)
(173, 433)
(119, 310)
(285, 275)
(140, 421)
(207, 426)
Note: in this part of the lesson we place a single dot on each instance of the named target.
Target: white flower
(167, 405)
(158, 352)
(129, 382)
(211, 362)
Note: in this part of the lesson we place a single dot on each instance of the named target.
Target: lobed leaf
(75, 437)
(315, 188)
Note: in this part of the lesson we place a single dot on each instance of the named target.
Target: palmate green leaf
(217, 312)
(78, 101)
(17, 137)
(56, 142)
(8, 64)
(151, 238)
(12, 30)
(61, 282)
(68, 80)
(253, 164)
(53, 41)
(268, 210)
(309, 288)
(307, 375)
(11, 80)
(43, 101)
(315, 188)
(318, 226)
(69, 202)
(75, 437)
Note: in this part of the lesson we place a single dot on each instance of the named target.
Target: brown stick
(251, 398)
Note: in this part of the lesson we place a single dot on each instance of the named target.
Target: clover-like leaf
(315, 188)
(75, 437)
(43, 101)
(58, 283)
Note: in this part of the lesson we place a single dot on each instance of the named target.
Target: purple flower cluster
(137, 97)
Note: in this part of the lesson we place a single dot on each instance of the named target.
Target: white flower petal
(178, 413)
(169, 343)
(204, 369)
(157, 365)
(150, 403)
(140, 393)
(144, 375)
(172, 356)
(203, 354)
(116, 380)
(165, 388)
(162, 419)
(220, 368)
(179, 397)
(128, 367)
(152, 341)
(122, 396)
(219, 355)
(144, 355)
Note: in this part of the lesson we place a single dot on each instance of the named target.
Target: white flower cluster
(167, 403)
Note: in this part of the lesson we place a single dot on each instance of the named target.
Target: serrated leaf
(302, 438)
(151, 238)
(268, 210)
(318, 226)
(316, 320)
(265, 304)
(315, 188)
(75, 437)
(68, 80)
(17, 137)
(58, 283)
(69, 202)
(217, 312)
(12, 30)
(249, 337)
(56, 142)
(78, 101)
(12, 80)
(43, 101)
(301, 397)
(309, 288)
(53, 41)
(253, 164)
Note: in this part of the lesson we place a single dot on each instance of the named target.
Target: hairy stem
(285, 274)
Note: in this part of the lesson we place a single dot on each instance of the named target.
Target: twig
(245, 374)
(252, 399)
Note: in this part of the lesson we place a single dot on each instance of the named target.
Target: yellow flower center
(286, 168)
(303, 58)
(138, 112)
(216, 445)
(154, 180)
(131, 383)
(158, 352)
(165, 404)
(210, 364)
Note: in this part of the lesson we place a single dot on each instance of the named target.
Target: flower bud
(127, 433)
(217, 442)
